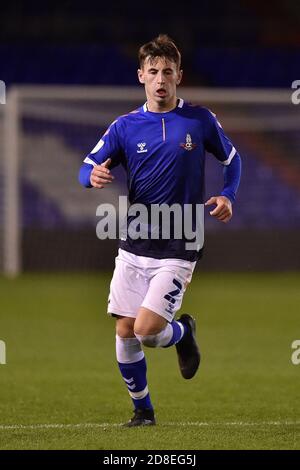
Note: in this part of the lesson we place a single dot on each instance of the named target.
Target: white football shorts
(156, 284)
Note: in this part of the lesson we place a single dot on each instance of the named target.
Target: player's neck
(155, 107)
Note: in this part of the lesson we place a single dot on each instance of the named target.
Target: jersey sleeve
(217, 143)
(109, 146)
(215, 140)
(232, 177)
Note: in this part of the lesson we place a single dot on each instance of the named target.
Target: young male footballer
(161, 146)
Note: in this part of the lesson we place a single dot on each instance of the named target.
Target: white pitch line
(7, 427)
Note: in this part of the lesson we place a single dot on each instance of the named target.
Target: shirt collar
(180, 103)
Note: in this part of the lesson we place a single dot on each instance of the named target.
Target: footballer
(162, 147)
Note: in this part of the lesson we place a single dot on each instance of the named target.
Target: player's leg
(153, 330)
(155, 325)
(127, 291)
(133, 368)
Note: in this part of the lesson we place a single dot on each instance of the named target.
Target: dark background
(227, 44)
(224, 43)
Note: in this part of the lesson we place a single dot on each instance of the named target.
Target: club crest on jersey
(141, 147)
(188, 143)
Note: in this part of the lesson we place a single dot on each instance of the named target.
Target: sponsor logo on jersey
(141, 147)
(188, 143)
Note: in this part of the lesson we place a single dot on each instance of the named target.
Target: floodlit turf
(61, 367)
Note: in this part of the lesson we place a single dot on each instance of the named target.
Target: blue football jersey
(163, 155)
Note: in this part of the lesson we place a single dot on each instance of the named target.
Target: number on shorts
(170, 296)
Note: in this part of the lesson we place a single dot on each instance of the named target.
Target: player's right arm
(100, 175)
(95, 170)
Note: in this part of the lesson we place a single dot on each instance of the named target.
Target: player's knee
(149, 337)
(151, 341)
(124, 327)
(148, 327)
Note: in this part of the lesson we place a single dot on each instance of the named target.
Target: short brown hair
(161, 46)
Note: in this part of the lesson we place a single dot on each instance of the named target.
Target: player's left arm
(221, 147)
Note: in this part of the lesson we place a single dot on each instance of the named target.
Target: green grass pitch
(61, 389)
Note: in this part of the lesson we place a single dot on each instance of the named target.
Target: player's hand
(100, 175)
(223, 209)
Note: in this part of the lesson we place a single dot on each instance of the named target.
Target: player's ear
(141, 76)
(179, 77)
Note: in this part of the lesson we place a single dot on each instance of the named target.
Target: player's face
(160, 77)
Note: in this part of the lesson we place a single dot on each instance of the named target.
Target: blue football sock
(134, 375)
(177, 334)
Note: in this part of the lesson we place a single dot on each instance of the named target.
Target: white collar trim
(180, 105)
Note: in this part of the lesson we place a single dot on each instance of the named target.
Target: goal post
(11, 189)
